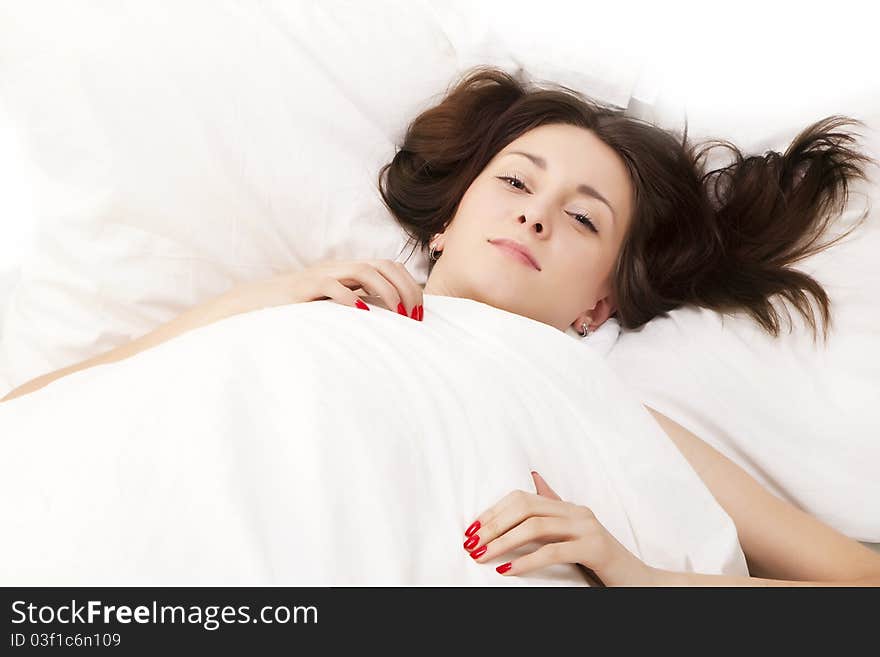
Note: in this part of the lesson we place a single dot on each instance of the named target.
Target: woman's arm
(201, 315)
(782, 544)
(329, 279)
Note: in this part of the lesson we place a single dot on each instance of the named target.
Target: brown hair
(722, 240)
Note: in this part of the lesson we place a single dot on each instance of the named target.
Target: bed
(173, 174)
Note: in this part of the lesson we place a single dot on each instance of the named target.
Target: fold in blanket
(317, 444)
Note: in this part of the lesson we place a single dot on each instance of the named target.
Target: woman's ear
(596, 316)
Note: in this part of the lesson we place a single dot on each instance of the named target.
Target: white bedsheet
(318, 444)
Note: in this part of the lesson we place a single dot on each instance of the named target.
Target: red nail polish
(402, 309)
(361, 304)
(415, 312)
(421, 312)
(479, 552)
(503, 568)
(472, 542)
(475, 525)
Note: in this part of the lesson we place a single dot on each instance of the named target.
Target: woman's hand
(337, 280)
(573, 532)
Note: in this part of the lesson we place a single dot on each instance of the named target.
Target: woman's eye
(586, 221)
(581, 218)
(515, 179)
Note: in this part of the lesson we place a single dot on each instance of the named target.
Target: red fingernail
(475, 525)
(472, 542)
(415, 312)
(503, 568)
(479, 552)
(421, 312)
(361, 304)
(402, 309)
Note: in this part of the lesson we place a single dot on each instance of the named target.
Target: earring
(435, 257)
(585, 330)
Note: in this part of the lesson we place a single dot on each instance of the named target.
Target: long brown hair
(721, 239)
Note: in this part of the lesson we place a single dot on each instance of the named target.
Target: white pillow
(802, 419)
(556, 44)
(191, 146)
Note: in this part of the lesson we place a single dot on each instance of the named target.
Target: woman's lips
(516, 253)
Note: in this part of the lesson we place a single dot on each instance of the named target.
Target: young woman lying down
(542, 210)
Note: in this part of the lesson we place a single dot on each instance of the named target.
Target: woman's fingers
(543, 488)
(535, 528)
(511, 510)
(410, 292)
(386, 279)
(336, 291)
(548, 555)
(354, 274)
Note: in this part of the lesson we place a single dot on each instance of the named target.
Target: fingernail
(472, 542)
(415, 312)
(503, 568)
(361, 304)
(475, 525)
(421, 312)
(402, 309)
(479, 552)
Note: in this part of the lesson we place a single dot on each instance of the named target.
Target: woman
(545, 204)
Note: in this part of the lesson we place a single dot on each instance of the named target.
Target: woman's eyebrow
(586, 190)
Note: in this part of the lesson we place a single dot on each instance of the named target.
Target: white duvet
(318, 444)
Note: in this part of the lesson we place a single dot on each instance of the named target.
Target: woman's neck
(435, 285)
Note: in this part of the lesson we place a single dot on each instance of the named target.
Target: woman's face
(539, 204)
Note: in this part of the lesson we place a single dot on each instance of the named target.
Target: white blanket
(319, 444)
